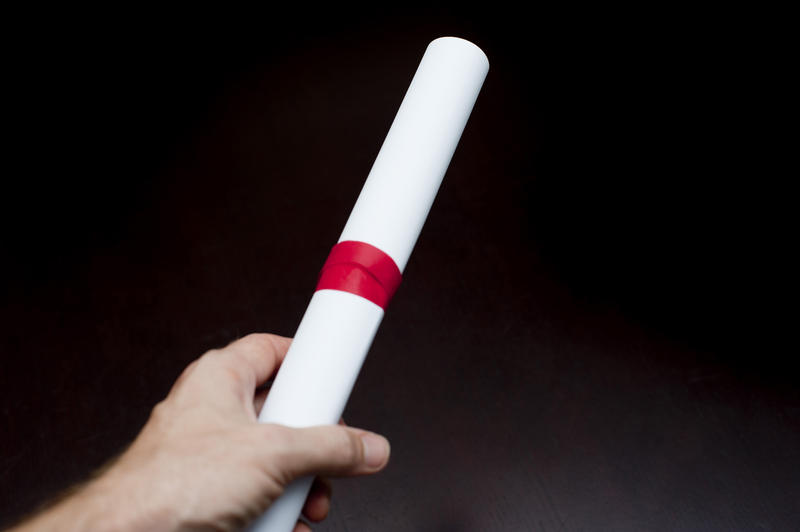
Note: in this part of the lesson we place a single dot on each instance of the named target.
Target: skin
(202, 462)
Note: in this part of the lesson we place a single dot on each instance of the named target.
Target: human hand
(203, 462)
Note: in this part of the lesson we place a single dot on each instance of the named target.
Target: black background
(591, 333)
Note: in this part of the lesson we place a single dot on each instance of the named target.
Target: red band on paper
(360, 269)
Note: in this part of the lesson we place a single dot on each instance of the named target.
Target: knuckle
(159, 412)
(258, 341)
(227, 363)
(234, 375)
(202, 365)
(210, 355)
(187, 371)
(210, 359)
(349, 448)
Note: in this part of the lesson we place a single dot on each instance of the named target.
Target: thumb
(331, 450)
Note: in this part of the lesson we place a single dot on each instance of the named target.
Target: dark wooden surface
(580, 341)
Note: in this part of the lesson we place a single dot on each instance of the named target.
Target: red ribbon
(360, 269)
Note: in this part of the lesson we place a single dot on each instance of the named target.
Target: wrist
(114, 502)
(89, 507)
(122, 500)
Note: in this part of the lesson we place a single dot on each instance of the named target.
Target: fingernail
(376, 450)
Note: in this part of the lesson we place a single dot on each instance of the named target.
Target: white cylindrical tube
(318, 373)
(406, 175)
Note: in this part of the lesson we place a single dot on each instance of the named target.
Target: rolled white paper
(320, 369)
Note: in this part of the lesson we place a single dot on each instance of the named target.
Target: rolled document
(365, 266)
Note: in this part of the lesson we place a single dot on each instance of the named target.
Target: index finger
(256, 356)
